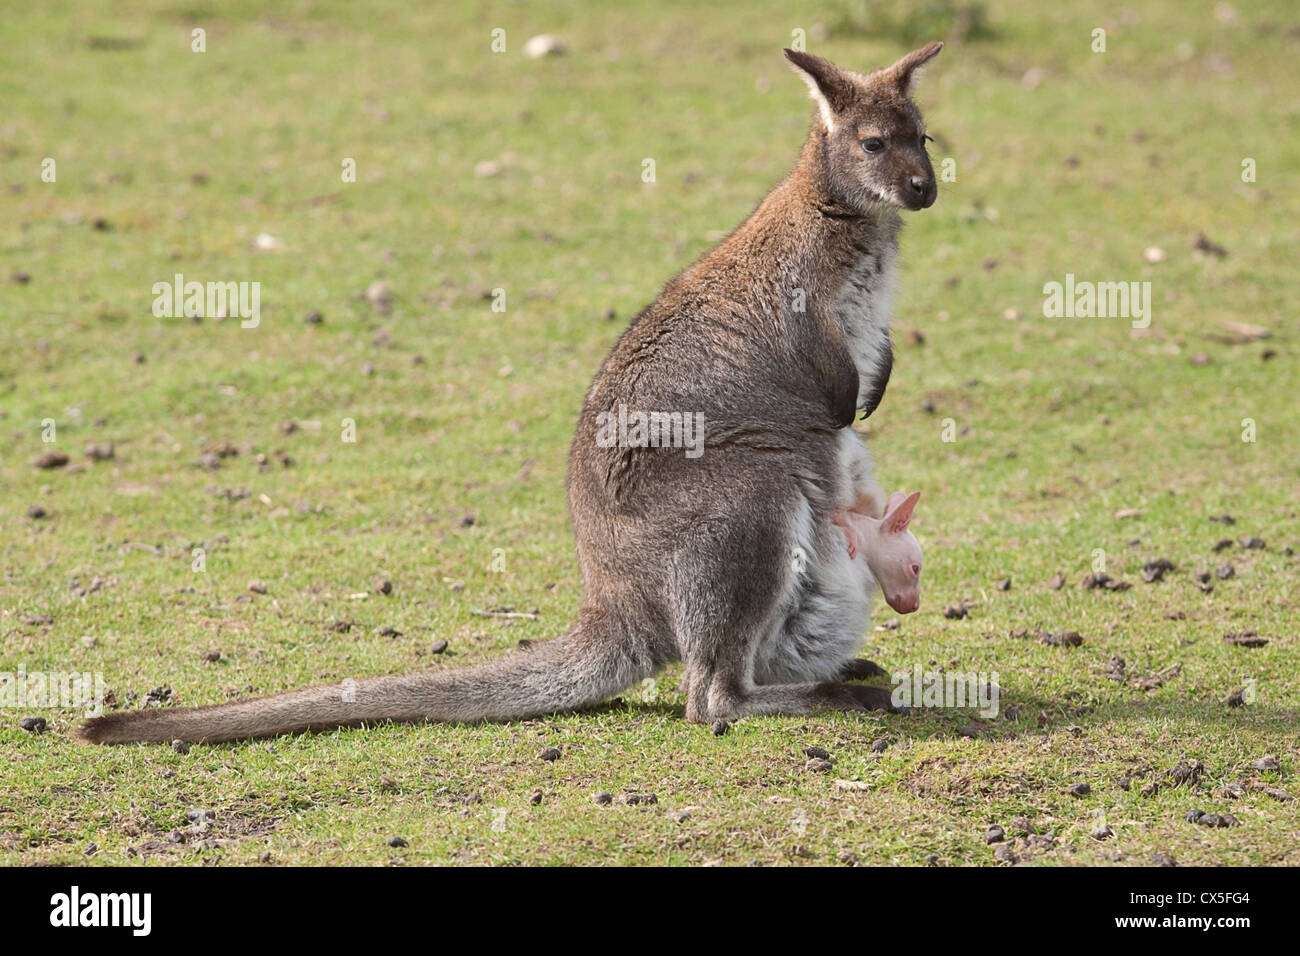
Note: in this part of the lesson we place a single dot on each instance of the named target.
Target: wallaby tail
(577, 670)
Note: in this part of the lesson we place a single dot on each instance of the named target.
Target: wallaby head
(874, 135)
(894, 554)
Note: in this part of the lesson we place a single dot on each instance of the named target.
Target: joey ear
(832, 89)
(897, 520)
(908, 69)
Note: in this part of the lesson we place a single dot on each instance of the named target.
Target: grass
(1067, 161)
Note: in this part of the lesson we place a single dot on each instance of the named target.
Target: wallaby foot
(872, 698)
(772, 699)
(859, 668)
(808, 698)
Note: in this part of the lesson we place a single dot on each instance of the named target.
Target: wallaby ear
(897, 520)
(828, 84)
(908, 69)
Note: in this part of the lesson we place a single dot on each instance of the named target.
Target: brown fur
(691, 558)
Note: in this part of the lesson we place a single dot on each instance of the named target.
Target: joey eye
(873, 144)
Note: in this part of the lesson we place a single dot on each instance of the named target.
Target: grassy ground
(1067, 161)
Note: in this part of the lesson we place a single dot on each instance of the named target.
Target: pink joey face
(895, 559)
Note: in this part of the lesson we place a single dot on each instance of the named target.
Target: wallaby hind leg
(728, 624)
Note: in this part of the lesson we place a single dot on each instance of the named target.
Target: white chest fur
(863, 306)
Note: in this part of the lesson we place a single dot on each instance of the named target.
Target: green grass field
(478, 171)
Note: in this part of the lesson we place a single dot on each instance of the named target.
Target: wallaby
(727, 560)
(890, 549)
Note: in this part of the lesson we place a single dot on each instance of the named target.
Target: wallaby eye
(873, 144)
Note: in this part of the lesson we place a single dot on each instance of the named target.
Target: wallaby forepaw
(859, 668)
(850, 540)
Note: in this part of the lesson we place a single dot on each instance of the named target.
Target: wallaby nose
(923, 191)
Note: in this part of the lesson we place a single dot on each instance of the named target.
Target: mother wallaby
(723, 555)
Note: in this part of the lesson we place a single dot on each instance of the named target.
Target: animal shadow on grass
(1018, 714)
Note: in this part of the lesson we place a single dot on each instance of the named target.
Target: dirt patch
(203, 831)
